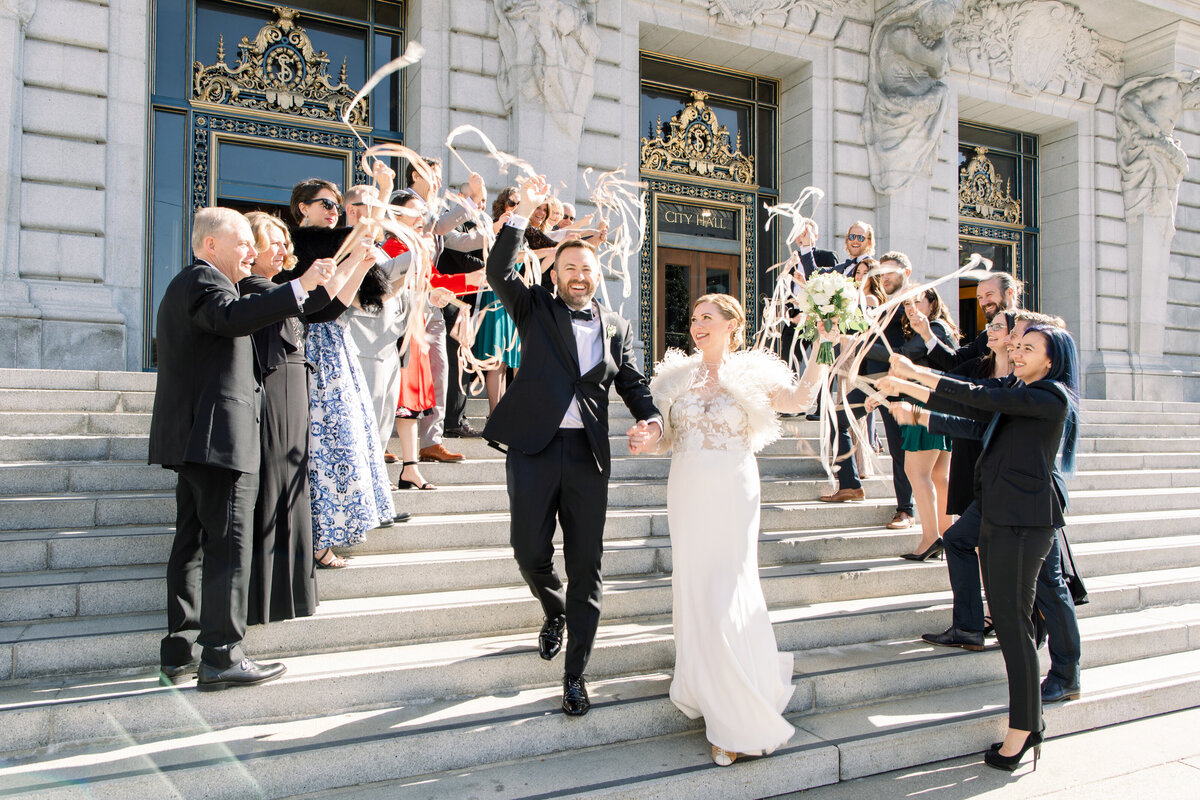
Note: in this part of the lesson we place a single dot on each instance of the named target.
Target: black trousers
(1011, 559)
(456, 400)
(561, 482)
(962, 562)
(1053, 600)
(848, 472)
(208, 572)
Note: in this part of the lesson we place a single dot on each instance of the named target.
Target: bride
(719, 408)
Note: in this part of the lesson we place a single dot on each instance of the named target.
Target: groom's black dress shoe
(1055, 690)
(170, 676)
(244, 673)
(575, 697)
(956, 637)
(550, 639)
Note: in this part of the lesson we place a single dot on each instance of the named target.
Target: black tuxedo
(205, 426)
(816, 260)
(558, 472)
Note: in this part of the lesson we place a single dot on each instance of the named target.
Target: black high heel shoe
(935, 550)
(1010, 763)
(403, 484)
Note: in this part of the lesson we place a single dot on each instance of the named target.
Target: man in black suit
(554, 420)
(205, 427)
(1000, 292)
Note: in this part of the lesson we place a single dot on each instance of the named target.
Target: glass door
(683, 276)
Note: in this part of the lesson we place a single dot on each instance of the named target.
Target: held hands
(318, 274)
(905, 413)
(440, 296)
(643, 436)
(532, 192)
(902, 367)
(894, 387)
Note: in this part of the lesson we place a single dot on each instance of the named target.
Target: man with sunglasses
(860, 244)
(568, 217)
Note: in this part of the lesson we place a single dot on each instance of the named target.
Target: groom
(554, 420)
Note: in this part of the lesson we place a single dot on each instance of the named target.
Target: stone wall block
(854, 35)
(849, 96)
(1112, 337)
(1110, 283)
(82, 345)
(1185, 291)
(1112, 257)
(608, 81)
(853, 191)
(473, 16)
(45, 158)
(466, 55)
(48, 254)
(64, 208)
(60, 66)
(1113, 231)
(850, 159)
(475, 93)
(604, 116)
(850, 64)
(1110, 204)
(71, 22)
(1181, 343)
(68, 115)
(1112, 309)
(847, 127)
(603, 152)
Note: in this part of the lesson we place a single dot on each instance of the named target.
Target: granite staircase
(418, 677)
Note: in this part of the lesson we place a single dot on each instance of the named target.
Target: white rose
(818, 298)
(828, 309)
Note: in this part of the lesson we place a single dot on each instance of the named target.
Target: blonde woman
(719, 407)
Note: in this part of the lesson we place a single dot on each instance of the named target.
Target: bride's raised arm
(797, 398)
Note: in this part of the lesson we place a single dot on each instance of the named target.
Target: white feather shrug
(751, 377)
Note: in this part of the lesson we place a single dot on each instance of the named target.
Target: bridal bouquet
(832, 298)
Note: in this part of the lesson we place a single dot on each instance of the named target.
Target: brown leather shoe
(844, 495)
(437, 452)
(902, 521)
(389, 458)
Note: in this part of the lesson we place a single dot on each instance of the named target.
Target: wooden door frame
(701, 261)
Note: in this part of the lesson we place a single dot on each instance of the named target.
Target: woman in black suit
(1019, 504)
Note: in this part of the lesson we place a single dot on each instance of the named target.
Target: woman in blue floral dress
(348, 481)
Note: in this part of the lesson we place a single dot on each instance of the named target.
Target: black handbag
(1075, 585)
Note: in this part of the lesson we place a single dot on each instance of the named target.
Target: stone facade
(73, 172)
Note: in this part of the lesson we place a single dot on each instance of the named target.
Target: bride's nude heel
(723, 758)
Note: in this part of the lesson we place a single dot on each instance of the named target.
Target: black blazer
(208, 398)
(529, 414)
(944, 357)
(816, 260)
(273, 343)
(1015, 474)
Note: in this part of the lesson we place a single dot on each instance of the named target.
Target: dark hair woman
(1020, 506)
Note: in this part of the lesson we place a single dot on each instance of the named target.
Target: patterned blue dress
(347, 479)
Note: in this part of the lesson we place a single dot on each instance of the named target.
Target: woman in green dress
(927, 455)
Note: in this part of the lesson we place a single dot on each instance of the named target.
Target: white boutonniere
(610, 331)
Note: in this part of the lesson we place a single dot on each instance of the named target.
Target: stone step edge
(612, 720)
(432, 558)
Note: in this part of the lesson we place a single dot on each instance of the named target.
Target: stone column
(20, 333)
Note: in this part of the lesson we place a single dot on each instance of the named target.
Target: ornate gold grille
(278, 71)
(982, 195)
(697, 145)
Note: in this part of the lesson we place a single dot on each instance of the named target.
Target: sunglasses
(328, 205)
(856, 237)
(353, 204)
(568, 218)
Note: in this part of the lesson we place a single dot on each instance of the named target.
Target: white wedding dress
(728, 668)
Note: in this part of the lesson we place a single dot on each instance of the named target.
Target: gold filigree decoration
(278, 71)
(697, 145)
(982, 195)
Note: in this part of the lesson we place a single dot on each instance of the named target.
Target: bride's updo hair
(730, 308)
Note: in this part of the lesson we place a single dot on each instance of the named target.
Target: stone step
(828, 678)
(85, 447)
(783, 502)
(71, 549)
(50, 647)
(60, 423)
(89, 380)
(40, 477)
(412, 740)
(142, 588)
(75, 400)
(1126, 444)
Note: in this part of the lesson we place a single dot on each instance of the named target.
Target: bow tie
(584, 315)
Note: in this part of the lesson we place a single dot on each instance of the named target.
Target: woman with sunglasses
(1027, 424)
(348, 480)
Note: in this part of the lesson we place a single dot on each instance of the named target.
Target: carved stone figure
(1152, 161)
(906, 97)
(547, 56)
(1036, 41)
(748, 13)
